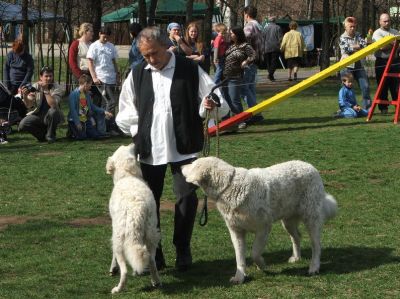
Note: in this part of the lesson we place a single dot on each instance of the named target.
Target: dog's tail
(329, 206)
(137, 255)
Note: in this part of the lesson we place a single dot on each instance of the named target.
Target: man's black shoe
(183, 259)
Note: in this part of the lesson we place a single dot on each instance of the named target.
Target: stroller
(8, 113)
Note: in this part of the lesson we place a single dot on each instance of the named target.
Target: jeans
(218, 70)
(88, 130)
(41, 126)
(231, 90)
(362, 78)
(249, 85)
(351, 113)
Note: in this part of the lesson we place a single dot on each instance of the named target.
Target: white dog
(250, 200)
(134, 217)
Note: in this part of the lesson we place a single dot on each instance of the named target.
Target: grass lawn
(55, 230)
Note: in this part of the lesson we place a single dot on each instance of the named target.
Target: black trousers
(272, 60)
(186, 199)
(391, 84)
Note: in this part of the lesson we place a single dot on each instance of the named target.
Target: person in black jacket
(161, 106)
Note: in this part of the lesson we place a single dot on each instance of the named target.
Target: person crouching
(85, 119)
(347, 100)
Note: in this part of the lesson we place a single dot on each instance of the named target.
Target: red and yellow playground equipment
(295, 89)
(386, 74)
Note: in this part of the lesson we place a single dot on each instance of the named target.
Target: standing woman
(193, 41)
(350, 42)
(78, 50)
(237, 57)
(19, 67)
(175, 41)
(293, 47)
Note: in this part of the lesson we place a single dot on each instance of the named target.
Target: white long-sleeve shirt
(162, 133)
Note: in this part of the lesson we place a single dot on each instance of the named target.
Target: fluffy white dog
(250, 200)
(134, 217)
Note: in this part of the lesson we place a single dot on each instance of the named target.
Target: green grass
(56, 254)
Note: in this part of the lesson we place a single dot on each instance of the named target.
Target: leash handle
(204, 213)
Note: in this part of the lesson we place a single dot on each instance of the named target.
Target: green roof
(164, 8)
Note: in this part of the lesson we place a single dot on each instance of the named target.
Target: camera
(30, 88)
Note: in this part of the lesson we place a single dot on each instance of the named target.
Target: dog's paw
(237, 279)
(313, 271)
(293, 259)
(115, 290)
(156, 285)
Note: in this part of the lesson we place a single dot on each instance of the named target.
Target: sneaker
(242, 126)
(337, 114)
(384, 111)
(271, 78)
(3, 141)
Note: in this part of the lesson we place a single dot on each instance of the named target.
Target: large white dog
(250, 200)
(134, 217)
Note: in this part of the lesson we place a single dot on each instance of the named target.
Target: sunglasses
(46, 69)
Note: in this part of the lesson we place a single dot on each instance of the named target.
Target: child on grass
(347, 99)
(85, 119)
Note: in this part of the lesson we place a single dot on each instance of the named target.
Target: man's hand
(108, 115)
(208, 104)
(357, 108)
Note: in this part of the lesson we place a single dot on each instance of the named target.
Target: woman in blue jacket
(85, 119)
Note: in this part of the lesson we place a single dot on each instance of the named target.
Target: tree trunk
(25, 25)
(310, 9)
(207, 30)
(325, 35)
(152, 12)
(189, 11)
(142, 13)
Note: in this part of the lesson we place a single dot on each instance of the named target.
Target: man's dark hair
(46, 69)
(105, 30)
(135, 28)
(251, 11)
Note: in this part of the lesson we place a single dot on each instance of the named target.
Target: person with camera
(42, 99)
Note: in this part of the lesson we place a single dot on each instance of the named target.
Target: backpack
(255, 38)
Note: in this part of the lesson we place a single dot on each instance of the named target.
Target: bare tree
(142, 13)
(25, 25)
(152, 12)
(189, 11)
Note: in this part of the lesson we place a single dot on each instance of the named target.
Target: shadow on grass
(216, 273)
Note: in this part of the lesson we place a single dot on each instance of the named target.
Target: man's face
(103, 37)
(384, 21)
(174, 31)
(47, 78)
(154, 53)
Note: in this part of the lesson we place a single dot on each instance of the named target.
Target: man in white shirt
(382, 56)
(103, 68)
(160, 106)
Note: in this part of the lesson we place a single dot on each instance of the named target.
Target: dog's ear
(110, 167)
(190, 176)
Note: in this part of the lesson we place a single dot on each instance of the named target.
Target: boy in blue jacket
(347, 99)
(85, 119)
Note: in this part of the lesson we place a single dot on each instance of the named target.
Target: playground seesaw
(295, 89)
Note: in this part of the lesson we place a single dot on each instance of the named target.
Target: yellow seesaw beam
(322, 75)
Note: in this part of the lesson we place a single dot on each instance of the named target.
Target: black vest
(185, 105)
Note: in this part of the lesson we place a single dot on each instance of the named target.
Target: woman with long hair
(192, 38)
(237, 57)
(78, 50)
(19, 67)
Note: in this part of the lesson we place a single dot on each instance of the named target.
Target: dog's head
(210, 173)
(123, 163)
